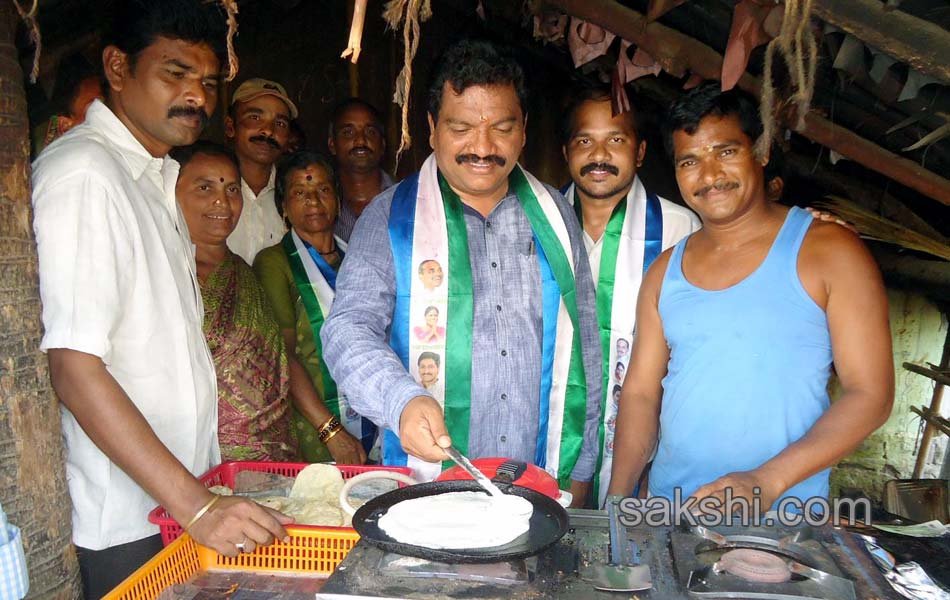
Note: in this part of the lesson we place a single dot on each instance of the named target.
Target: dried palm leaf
(931, 138)
(875, 227)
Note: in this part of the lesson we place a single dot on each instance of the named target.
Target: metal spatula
(623, 573)
(469, 468)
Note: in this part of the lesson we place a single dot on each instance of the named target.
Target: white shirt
(260, 225)
(678, 222)
(117, 280)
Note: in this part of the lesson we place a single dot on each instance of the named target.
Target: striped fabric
(14, 579)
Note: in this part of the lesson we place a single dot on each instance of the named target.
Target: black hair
(184, 154)
(708, 99)
(616, 389)
(136, 25)
(301, 159)
(297, 128)
(428, 308)
(476, 62)
(592, 94)
(71, 72)
(344, 105)
(432, 355)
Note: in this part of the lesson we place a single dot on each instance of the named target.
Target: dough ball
(309, 511)
(319, 481)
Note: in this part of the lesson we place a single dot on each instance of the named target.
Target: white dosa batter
(457, 520)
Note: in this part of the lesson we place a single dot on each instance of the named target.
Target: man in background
(77, 84)
(258, 125)
(357, 140)
(625, 228)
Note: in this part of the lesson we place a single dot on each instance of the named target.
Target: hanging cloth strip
(316, 281)
(631, 242)
(427, 224)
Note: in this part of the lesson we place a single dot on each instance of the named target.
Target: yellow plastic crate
(315, 551)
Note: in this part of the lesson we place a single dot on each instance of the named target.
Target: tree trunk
(32, 475)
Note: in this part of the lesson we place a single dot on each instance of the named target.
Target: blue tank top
(748, 370)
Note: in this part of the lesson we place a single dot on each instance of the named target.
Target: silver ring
(241, 545)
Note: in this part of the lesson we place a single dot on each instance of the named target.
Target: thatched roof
(881, 80)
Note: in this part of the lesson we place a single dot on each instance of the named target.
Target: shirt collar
(136, 157)
(247, 192)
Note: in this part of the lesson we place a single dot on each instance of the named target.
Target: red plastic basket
(225, 473)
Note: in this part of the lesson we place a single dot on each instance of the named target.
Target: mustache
(599, 166)
(719, 186)
(474, 158)
(188, 111)
(267, 140)
(356, 149)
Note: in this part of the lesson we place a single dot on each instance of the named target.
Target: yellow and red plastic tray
(225, 473)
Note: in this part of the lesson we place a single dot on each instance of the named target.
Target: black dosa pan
(547, 525)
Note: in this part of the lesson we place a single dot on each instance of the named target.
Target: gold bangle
(326, 434)
(201, 511)
(329, 437)
(328, 424)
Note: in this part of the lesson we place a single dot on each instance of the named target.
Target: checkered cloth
(14, 580)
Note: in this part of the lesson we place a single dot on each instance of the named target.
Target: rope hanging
(800, 52)
(231, 8)
(409, 13)
(29, 19)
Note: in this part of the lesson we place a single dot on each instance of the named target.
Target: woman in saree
(250, 358)
(299, 277)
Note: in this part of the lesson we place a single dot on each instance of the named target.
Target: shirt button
(504, 438)
(488, 224)
(494, 265)
(498, 307)
(504, 353)
(504, 396)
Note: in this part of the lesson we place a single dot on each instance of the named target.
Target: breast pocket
(529, 278)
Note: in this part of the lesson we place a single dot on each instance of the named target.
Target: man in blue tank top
(738, 326)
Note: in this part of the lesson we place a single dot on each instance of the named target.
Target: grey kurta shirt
(506, 352)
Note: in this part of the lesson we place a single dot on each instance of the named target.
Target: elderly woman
(299, 277)
(248, 351)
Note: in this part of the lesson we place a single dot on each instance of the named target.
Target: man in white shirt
(625, 228)
(121, 307)
(258, 124)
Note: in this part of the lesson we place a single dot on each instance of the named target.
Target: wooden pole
(353, 69)
(919, 43)
(935, 401)
(32, 472)
(679, 53)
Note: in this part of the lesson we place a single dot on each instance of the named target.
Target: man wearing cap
(258, 123)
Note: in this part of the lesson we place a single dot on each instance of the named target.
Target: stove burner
(755, 565)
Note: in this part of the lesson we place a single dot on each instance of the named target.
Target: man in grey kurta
(477, 134)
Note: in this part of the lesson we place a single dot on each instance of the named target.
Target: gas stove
(774, 563)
